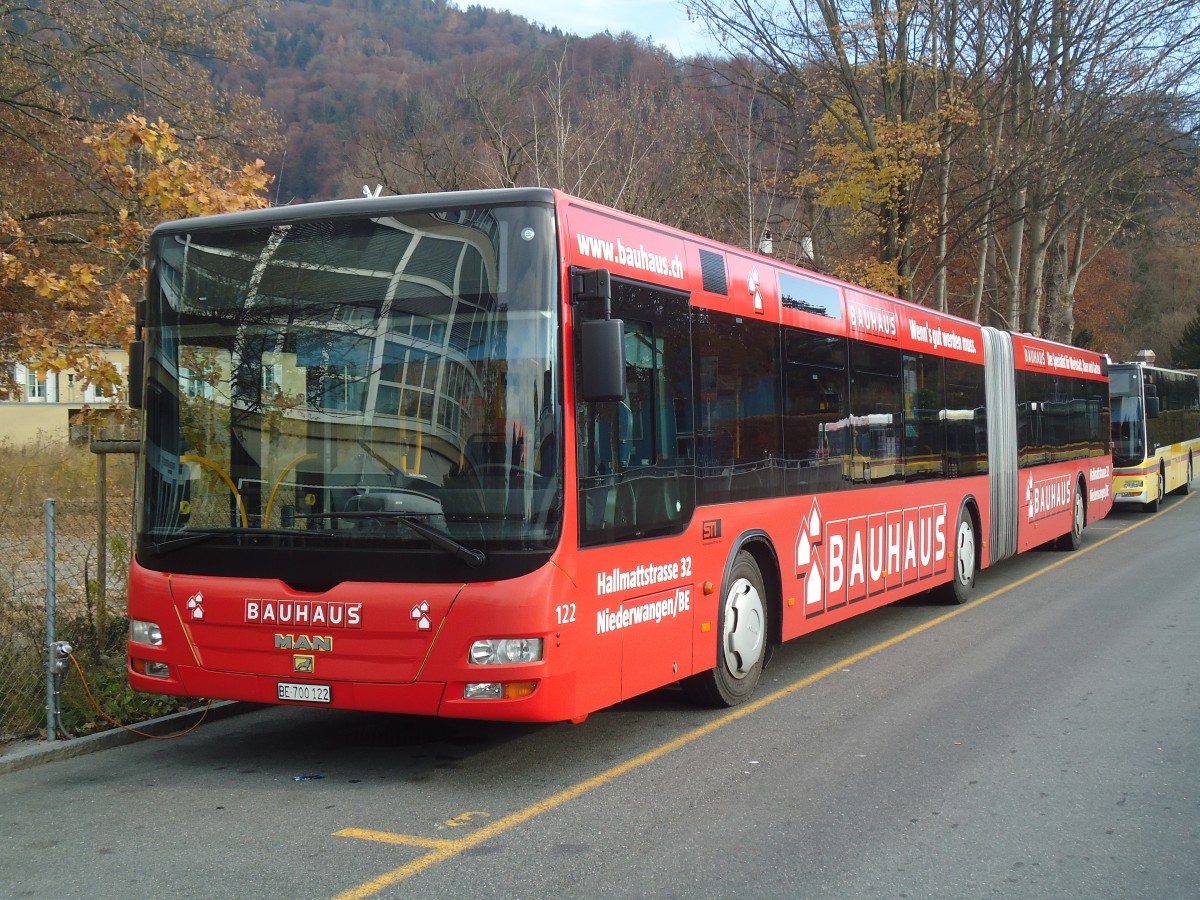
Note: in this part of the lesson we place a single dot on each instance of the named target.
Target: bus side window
(875, 414)
(924, 424)
(635, 467)
(816, 410)
(738, 409)
(966, 420)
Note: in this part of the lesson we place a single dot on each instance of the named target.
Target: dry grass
(30, 473)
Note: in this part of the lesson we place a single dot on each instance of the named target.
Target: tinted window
(738, 423)
(876, 450)
(924, 416)
(636, 455)
(966, 420)
(1060, 418)
(816, 411)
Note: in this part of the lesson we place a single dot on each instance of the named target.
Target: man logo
(304, 664)
(322, 643)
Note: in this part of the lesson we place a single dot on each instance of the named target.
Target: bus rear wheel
(1073, 539)
(743, 635)
(966, 562)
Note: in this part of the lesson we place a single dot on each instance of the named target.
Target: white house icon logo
(196, 604)
(810, 571)
(420, 615)
(754, 286)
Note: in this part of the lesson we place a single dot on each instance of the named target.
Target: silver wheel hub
(745, 631)
(964, 558)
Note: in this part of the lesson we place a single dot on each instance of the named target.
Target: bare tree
(632, 139)
(1029, 133)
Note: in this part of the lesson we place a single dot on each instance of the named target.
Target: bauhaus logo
(843, 561)
(1048, 496)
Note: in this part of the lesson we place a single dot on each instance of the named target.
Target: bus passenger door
(636, 492)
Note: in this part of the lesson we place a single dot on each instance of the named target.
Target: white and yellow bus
(1155, 431)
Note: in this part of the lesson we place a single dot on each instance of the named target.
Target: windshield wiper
(192, 537)
(439, 539)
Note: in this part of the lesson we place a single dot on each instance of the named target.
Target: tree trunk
(1038, 222)
(1066, 265)
(1016, 244)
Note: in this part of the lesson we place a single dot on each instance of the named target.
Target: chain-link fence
(23, 649)
(75, 593)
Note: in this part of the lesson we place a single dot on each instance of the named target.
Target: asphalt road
(1041, 741)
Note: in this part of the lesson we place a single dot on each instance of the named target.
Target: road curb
(26, 754)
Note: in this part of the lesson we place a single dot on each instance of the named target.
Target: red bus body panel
(1044, 496)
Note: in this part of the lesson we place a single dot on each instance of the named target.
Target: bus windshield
(1128, 419)
(364, 385)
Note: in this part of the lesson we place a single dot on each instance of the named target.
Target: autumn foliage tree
(70, 297)
(71, 73)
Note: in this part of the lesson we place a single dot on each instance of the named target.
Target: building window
(272, 378)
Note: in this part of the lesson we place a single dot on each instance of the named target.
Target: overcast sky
(663, 21)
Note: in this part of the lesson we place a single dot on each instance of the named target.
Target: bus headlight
(502, 651)
(150, 668)
(145, 633)
(494, 690)
(483, 690)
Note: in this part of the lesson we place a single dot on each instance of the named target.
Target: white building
(48, 407)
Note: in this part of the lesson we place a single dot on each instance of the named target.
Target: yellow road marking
(408, 840)
(465, 818)
(442, 850)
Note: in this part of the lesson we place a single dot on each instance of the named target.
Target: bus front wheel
(1159, 489)
(743, 635)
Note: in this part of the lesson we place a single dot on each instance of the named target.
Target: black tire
(966, 562)
(743, 638)
(1073, 539)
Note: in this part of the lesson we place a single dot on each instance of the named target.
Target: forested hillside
(327, 67)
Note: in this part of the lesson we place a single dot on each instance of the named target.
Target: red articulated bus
(512, 455)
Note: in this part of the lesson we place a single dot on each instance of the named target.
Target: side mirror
(1153, 408)
(137, 358)
(592, 284)
(601, 340)
(602, 360)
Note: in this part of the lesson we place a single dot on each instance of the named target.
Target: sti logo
(710, 530)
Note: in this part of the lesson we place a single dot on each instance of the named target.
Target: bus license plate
(305, 693)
